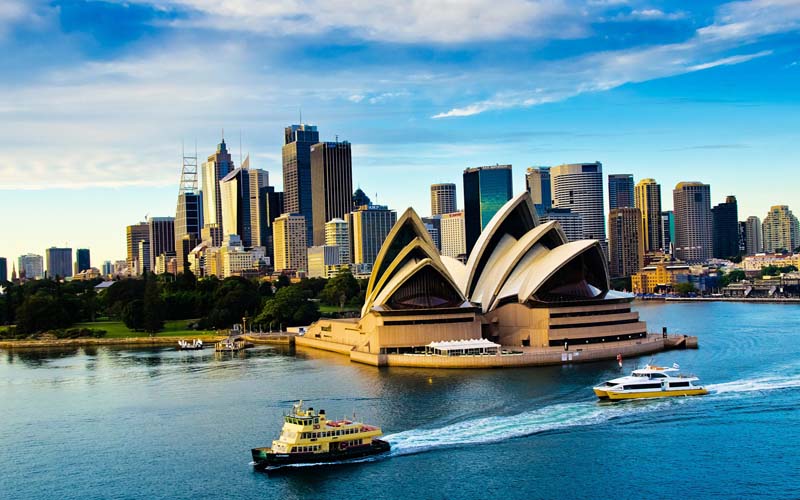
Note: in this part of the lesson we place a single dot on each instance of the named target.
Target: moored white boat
(651, 382)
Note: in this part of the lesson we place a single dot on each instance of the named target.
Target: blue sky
(96, 97)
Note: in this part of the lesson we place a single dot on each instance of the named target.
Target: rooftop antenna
(188, 171)
(301, 115)
(240, 147)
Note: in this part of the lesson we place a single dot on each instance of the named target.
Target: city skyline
(696, 93)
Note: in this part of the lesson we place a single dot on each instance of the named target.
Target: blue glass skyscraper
(296, 153)
(486, 190)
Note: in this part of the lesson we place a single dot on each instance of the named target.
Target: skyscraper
(486, 190)
(338, 235)
(59, 262)
(452, 235)
(780, 228)
(234, 191)
(434, 226)
(161, 232)
(274, 209)
(260, 229)
(217, 167)
(647, 198)
(625, 243)
(579, 187)
(537, 182)
(368, 226)
(725, 229)
(571, 223)
(620, 191)
(296, 153)
(754, 242)
(331, 185)
(188, 214)
(108, 268)
(667, 231)
(693, 221)
(31, 266)
(136, 234)
(3, 270)
(443, 198)
(83, 259)
(290, 244)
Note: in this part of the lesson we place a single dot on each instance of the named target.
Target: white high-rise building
(289, 234)
(754, 242)
(32, 266)
(693, 221)
(579, 187)
(452, 234)
(338, 235)
(215, 169)
(781, 230)
(259, 226)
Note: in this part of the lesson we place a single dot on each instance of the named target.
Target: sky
(98, 98)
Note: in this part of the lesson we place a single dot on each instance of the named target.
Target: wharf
(276, 338)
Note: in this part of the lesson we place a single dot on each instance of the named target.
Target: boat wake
(756, 384)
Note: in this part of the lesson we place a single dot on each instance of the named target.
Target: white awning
(457, 345)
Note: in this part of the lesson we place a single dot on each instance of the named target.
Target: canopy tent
(462, 347)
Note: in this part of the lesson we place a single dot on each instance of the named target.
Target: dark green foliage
(41, 312)
(234, 299)
(133, 315)
(776, 270)
(340, 290)
(621, 283)
(735, 276)
(153, 307)
(290, 307)
(77, 333)
(120, 294)
(685, 288)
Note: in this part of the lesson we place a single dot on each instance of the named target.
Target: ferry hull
(264, 461)
(616, 396)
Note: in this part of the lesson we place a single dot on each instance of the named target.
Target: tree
(122, 293)
(41, 312)
(684, 289)
(133, 315)
(340, 289)
(153, 307)
(234, 299)
(290, 307)
(734, 276)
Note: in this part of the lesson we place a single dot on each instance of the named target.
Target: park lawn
(335, 309)
(117, 329)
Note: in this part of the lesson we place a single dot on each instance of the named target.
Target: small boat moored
(651, 382)
(194, 345)
(310, 438)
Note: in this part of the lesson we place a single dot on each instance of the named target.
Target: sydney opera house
(526, 296)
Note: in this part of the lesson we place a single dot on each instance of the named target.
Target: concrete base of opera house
(523, 356)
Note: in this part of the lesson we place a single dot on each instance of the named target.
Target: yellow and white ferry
(310, 438)
(651, 382)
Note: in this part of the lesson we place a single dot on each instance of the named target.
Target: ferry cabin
(314, 433)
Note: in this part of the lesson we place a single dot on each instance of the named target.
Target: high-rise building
(725, 229)
(667, 231)
(3, 270)
(647, 198)
(83, 260)
(273, 203)
(579, 187)
(59, 262)
(571, 223)
(625, 243)
(780, 230)
(136, 234)
(161, 232)
(452, 235)
(360, 198)
(754, 242)
(188, 214)
(260, 229)
(323, 261)
(486, 190)
(693, 221)
(234, 191)
(289, 231)
(443, 198)
(215, 169)
(433, 225)
(31, 266)
(620, 191)
(368, 226)
(296, 153)
(338, 235)
(331, 185)
(143, 258)
(537, 182)
(108, 268)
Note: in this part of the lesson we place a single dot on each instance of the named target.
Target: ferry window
(679, 384)
(316, 420)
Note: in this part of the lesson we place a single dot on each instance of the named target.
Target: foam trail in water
(756, 384)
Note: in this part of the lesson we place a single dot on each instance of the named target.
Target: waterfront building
(260, 228)
(755, 263)
(135, 235)
(108, 268)
(486, 189)
(338, 235)
(296, 154)
(780, 230)
(83, 260)
(31, 266)
(235, 194)
(693, 221)
(434, 226)
(667, 231)
(579, 187)
(523, 285)
(625, 242)
(59, 262)
(620, 191)
(443, 198)
(323, 261)
(571, 223)
(660, 277)
(368, 225)
(537, 182)
(3, 270)
(647, 198)
(452, 236)
(215, 169)
(161, 231)
(754, 242)
(725, 229)
(331, 185)
(288, 233)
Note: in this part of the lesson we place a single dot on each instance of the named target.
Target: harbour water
(114, 422)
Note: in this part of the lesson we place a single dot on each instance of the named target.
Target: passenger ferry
(651, 382)
(310, 438)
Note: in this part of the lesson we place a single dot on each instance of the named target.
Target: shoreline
(83, 342)
(758, 300)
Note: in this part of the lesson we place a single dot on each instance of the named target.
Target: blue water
(157, 423)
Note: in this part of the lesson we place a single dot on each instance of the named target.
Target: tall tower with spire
(214, 170)
(189, 213)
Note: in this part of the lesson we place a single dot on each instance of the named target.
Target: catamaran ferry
(310, 438)
(651, 382)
